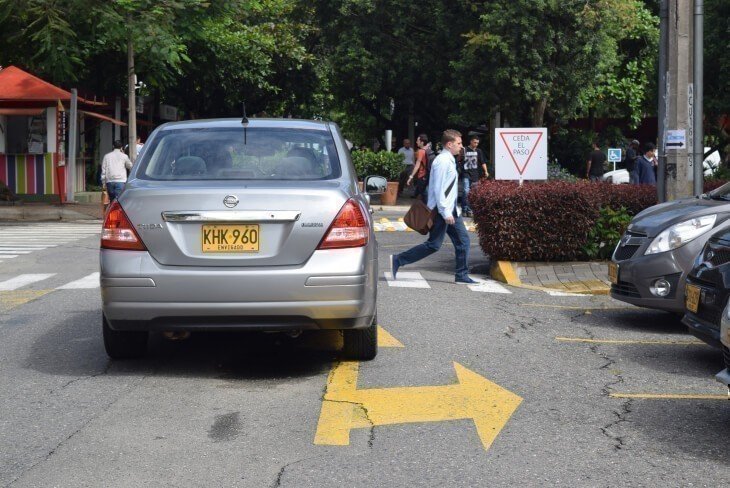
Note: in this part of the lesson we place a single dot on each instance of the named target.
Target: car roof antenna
(244, 121)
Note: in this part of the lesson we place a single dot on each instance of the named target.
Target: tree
(717, 77)
(387, 59)
(532, 57)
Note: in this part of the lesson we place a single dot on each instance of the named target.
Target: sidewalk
(45, 212)
(574, 277)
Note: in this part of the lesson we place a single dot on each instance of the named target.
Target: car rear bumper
(335, 289)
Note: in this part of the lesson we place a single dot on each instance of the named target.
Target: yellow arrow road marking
(16, 298)
(474, 397)
(669, 342)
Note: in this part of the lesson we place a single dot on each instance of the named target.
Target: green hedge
(381, 163)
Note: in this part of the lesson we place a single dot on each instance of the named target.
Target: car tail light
(118, 232)
(349, 229)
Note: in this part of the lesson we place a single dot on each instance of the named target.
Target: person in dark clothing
(630, 162)
(471, 166)
(645, 167)
(594, 165)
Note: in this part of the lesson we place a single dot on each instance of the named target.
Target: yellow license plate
(692, 298)
(613, 273)
(230, 238)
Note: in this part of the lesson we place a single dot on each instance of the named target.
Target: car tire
(124, 344)
(361, 344)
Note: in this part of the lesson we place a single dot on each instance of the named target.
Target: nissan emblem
(230, 201)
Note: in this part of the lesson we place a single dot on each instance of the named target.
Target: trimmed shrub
(549, 221)
(713, 185)
(381, 163)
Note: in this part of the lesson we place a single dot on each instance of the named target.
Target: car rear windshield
(234, 154)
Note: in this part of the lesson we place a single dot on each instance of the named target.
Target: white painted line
(9, 256)
(488, 286)
(90, 281)
(555, 293)
(14, 251)
(406, 279)
(31, 247)
(22, 280)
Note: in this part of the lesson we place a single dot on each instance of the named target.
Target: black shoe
(466, 281)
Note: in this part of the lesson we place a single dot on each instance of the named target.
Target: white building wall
(51, 129)
(3, 132)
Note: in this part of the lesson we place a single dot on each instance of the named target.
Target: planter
(391, 194)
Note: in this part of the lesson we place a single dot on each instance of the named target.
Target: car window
(232, 154)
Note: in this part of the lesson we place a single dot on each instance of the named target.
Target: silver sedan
(236, 225)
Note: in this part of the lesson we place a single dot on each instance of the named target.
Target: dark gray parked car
(231, 226)
(651, 262)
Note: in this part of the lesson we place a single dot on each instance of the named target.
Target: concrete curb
(505, 272)
(45, 213)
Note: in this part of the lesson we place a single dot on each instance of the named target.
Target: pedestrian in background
(630, 161)
(408, 162)
(114, 168)
(420, 173)
(447, 219)
(471, 167)
(139, 145)
(594, 164)
(645, 166)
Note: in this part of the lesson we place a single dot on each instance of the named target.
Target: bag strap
(448, 190)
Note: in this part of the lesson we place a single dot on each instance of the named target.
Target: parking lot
(472, 385)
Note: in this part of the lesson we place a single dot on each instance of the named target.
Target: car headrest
(189, 165)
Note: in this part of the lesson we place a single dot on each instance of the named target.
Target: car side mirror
(375, 185)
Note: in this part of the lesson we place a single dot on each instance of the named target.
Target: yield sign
(521, 154)
(521, 147)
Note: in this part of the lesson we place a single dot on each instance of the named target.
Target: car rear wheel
(361, 344)
(124, 344)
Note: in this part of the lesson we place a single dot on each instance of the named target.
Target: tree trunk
(538, 113)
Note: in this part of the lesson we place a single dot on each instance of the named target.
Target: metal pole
(131, 101)
(661, 184)
(73, 135)
(698, 64)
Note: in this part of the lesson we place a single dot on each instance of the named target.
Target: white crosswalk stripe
(414, 279)
(18, 240)
(90, 281)
(406, 279)
(23, 280)
(488, 285)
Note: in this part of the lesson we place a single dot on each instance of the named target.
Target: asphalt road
(247, 409)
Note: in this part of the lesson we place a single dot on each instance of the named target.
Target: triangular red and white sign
(521, 154)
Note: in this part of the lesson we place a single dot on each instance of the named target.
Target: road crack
(621, 415)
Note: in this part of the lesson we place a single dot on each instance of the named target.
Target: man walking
(594, 165)
(472, 164)
(408, 159)
(442, 191)
(114, 168)
(645, 167)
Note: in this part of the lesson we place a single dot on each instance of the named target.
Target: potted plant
(382, 163)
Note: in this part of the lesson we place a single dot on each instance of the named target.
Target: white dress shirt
(443, 172)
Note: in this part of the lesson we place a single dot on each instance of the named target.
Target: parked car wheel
(361, 344)
(123, 344)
